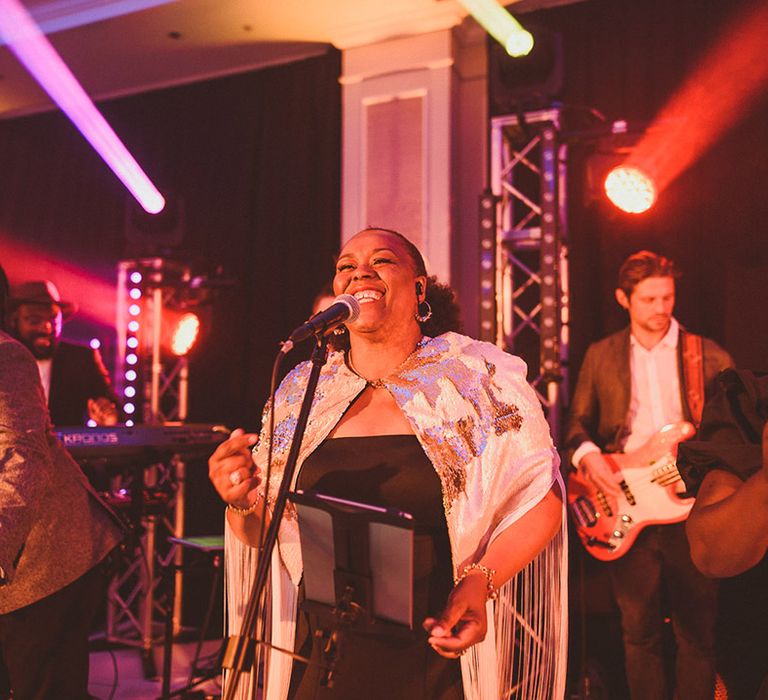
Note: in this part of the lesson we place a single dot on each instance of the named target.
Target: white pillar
(397, 154)
(415, 154)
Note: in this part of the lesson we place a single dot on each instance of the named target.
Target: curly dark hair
(644, 264)
(446, 314)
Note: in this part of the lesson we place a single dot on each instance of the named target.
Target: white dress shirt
(44, 367)
(655, 388)
(655, 395)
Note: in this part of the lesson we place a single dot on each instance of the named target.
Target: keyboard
(187, 439)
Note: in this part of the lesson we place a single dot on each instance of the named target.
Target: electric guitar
(652, 493)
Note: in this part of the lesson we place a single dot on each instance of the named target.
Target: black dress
(393, 471)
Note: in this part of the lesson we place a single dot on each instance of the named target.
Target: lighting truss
(524, 263)
(154, 384)
(135, 596)
(146, 287)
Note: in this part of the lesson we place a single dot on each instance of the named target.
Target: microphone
(344, 308)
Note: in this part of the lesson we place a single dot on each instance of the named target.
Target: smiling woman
(437, 311)
(442, 427)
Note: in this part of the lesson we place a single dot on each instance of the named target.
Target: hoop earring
(340, 330)
(422, 316)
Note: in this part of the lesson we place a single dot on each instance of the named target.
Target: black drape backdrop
(626, 59)
(255, 159)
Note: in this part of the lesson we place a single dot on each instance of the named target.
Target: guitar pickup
(583, 512)
(594, 542)
(604, 504)
(628, 493)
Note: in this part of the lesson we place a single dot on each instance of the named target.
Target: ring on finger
(235, 478)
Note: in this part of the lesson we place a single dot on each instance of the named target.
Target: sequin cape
(482, 427)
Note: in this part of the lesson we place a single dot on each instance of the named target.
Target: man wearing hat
(55, 535)
(74, 378)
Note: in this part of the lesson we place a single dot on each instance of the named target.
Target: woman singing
(412, 415)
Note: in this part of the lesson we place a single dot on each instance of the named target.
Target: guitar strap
(693, 375)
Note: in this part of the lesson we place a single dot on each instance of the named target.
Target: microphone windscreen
(352, 303)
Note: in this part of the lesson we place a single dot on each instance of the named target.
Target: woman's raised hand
(232, 471)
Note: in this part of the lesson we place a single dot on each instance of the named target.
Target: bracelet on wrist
(488, 573)
(243, 512)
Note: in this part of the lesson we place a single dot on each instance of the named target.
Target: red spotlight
(185, 334)
(630, 189)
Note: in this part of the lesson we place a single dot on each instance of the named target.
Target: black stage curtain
(626, 59)
(255, 160)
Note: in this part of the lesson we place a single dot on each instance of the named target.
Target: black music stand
(358, 569)
(212, 546)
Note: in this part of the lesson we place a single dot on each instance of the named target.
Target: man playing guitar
(631, 385)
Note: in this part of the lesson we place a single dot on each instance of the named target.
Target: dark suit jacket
(53, 527)
(77, 374)
(600, 403)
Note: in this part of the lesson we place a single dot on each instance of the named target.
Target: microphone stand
(240, 648)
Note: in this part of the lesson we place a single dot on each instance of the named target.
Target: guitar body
(652, 494)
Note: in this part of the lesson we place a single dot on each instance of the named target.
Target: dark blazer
(600, 403)
(77, 374)
(53, 526)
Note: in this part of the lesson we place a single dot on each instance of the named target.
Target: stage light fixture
(519, 43)
(185, 333)
(502, 26)
(630, 189)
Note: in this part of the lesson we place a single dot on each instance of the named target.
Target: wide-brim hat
(39, 292)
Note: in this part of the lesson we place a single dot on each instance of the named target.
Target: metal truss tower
(524, 261)
(147, 289)
(154, 384)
